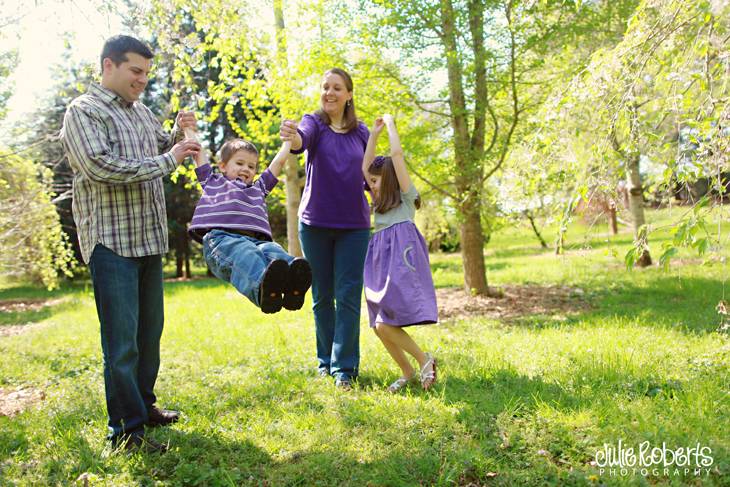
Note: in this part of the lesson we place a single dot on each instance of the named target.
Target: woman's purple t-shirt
(333, 193)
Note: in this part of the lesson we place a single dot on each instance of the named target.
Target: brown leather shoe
(161, 417)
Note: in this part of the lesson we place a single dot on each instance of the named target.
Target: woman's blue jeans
(129, 302)
(241, 260)
(337, 257)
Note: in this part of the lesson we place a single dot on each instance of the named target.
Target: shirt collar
(107, 95)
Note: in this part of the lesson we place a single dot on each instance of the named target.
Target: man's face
(129, 79)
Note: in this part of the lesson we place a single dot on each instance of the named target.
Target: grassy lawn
(520, 402)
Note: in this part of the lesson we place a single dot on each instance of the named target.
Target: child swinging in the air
(232, 223)
(398, 283)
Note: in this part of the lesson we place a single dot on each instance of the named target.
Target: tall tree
(494, 56)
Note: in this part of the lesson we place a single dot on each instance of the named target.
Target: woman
(334, 221)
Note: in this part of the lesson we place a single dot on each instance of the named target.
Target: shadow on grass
(26, 311)
(12, 439)
(197, 458)
(174, 287)
(455, 265)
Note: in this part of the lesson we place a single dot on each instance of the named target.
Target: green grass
(531, 400)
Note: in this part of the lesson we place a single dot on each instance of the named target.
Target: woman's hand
(288, 130)
(388, 120)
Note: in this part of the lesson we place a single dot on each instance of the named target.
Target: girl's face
(242, 165)
(374, 183)
(334, 95)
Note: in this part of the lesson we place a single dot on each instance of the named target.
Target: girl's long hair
(389, 194)
(349, 118)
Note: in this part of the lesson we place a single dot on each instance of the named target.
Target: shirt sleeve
(364, 134)
(266, 182)
(309, 131)
(85, 138)
(203, 173)
(411, 195)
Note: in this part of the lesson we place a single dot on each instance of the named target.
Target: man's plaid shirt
(114, 150)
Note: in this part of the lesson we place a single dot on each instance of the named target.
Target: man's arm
(85, 140)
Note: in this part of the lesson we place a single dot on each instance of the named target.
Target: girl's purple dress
(398, 283)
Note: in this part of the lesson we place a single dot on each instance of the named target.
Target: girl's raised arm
(396, 153)
(370, 148)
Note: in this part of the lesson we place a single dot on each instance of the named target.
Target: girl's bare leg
(394, 350)
(403, 341)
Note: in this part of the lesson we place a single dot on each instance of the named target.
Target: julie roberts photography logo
(646, 459)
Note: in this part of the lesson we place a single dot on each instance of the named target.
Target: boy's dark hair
(116, 48)
(349, 118)
(231, 146)
(389, 194)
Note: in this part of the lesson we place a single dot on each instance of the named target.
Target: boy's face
(241, 165)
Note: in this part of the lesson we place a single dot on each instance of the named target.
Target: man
(119, 153)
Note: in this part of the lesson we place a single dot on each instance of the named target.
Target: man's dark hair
(116, 48)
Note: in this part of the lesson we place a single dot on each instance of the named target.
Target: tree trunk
(293, 197)
(531, 218)
(291, 168)
(472, 249)
(178, 264)
(188, 274)
(636, 204)
(612, 218)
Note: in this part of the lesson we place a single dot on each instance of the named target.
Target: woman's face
(334, 95)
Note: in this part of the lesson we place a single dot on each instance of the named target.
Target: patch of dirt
(516, 302)
(22, 305)
(16, 401)
(11, 330)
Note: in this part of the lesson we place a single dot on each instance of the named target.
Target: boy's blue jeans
(129, 302)
(241, 260)
(337, 257)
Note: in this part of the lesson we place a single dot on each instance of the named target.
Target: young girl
(232, 222)
(398, 284)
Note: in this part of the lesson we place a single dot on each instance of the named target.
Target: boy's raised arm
(192, 134)
(280, 158)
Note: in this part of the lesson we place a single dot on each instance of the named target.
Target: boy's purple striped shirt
(231, 205)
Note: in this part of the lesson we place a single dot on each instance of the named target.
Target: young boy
(232, 223)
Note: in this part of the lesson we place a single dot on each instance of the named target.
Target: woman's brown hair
(389, 194)
(349, 119)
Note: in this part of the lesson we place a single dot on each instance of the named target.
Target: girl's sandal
(400, 383)
(428, 372)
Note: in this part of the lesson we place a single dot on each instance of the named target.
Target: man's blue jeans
(337, 257)
(241, 260)
(129, 302)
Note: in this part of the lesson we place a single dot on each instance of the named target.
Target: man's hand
(186, 120)
(185, 148)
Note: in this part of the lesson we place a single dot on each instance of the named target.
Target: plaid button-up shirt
(114, 150)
